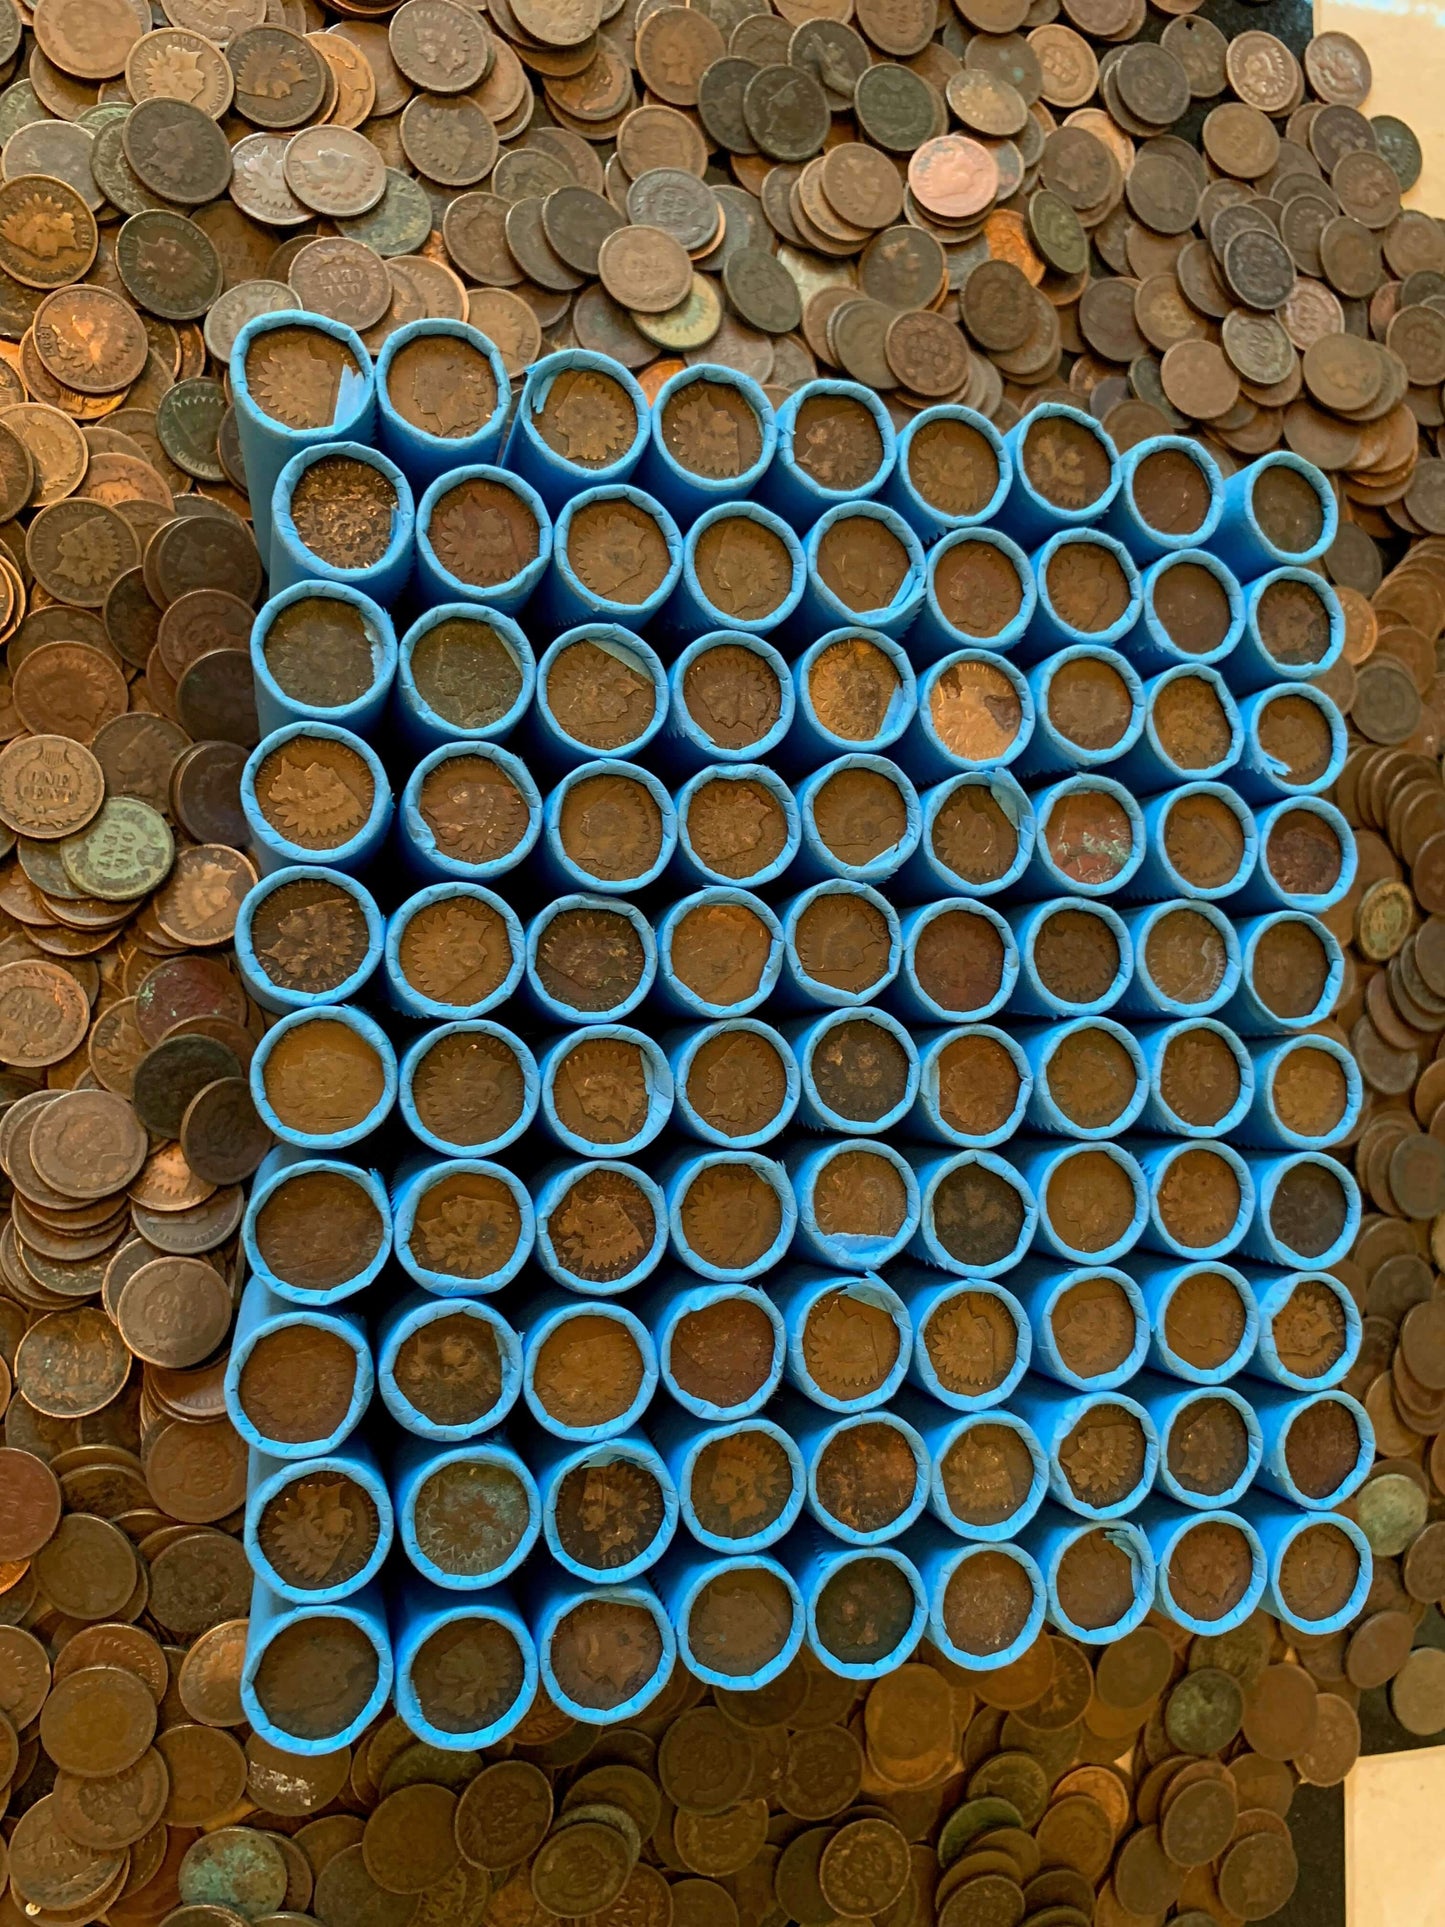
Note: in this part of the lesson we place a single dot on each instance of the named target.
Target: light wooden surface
(1394, 1847)
(1405, 40)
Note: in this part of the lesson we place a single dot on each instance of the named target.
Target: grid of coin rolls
(801, 1111)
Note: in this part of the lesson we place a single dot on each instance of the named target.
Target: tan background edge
(1405, 40)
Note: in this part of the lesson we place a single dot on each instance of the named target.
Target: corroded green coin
(126, 852)
(1205, 1711)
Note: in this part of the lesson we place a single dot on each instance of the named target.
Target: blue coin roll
(598, 1514)
(1086, 1311)
(1086, 863)
(1279, 1067)
(1293, 961)
(1314, 631)
(1067, 445)
(1161, 506)
(837, 953)
(1050, 989)
(591, 952)
(453, 950)
(690, 493)
(714, 715)
(855, 666)
(1187, 960)
(596, 1093)
(284, 1645)
(1187, 1575)
(1178, 1059)
(1102, 561)
(980, 592)
(442, 1347)
(1082, 1055)
(744, 957)
(426, 453)
(330, 1051)
(470, 811)
(1193, 704)
(941, 982)
(825, 1050)
(963, 1582)
(1064, 1176)
(555, 1321)
(295, 1247)
(822, 1437)
(956, 1189)
(554, 1598)
(967, 1461)
(610, 811)
(810, 1298)
(476, 1078)
(691, 1576)
(1280, 1412)
(1216, 850)
(281, 1514)
(474, 660)
(309, 916)
(267, 1324)
(951, 1107)
(1192, 613)
(1266, 772)
(297, 617)
(797, 492)
(690, 612)
(461, 526)
(1318, 1595)
(1213, 1232)
(625, 583)
(1190, 1421)
(1055, 1535)
(954, 453)
(977, 837)
(347, 821)
(292, 560)
(739, 1201)
(969, 700)
(1063, 1420)
(549, 730)
(462, 1226)
(742, 1459)
(1243, 540)
(858, 1201)
(685, 1315)
(824, 607)
(737, 823)
(1206, 1307)
(971, 1343)
(841, 1605)
(727, 1067)
(1308, 1210)
(437, 1636)
(1050, 751)
(872, 815)
(468, 1514)
(629, 1251)
(557, 473)
(1310, 1316)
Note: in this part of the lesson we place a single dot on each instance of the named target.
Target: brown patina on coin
(309, 935)
(1089, 836)
(467, 1675)
(323, 1076)
(1204, 840)
(1199, 1077)
(974, 836)
(1171, 492)
(1319, 1572)
(1302, 853)
(599, 696)
(852, 685)
(859, 1194)
(587, 1371)
(618, 550)
(611, 827)
(1095, 1581)
(1309, 1209)
(720, 952)
(863, 562)
(482, 532)
(601, 1089)
(315, 792)
(1205, 1320)
(740, 1483)
(316, 1676)
(317, 1229)
(1090, 1201)
(344, 510)
(710, 428)
(1321, 1448)
(737, 1082)
(836, 441)
(450, 1369)
(607, 1512)
(1295, 735)
(320, 652)
(587, 417)
(732, 694)
(740, 1620)
(442, 385)
(1087, 586)
(1192, 606)
(456, 950)
(468, 1089)
(467, 1225)
(1076, 956)
(604, 1651)
(975, 710)
(736, 827)
(978, 1085)
(723, 1353)
(1208, 1446)
(1103, 1455)
(731, 1216)
(953, 467)
(1293, 622)
(469, 1516)
(319, 1530)
(465, 672)
(1190, 722)
(603, 1226)
(988, 1474)
(1066, 462)
(297, 1383)
(866, 1475)
(1198, 1199)
(295, 375)
(1287, 508)
(1089, 703)
(987, 1603)
(863, 1615)
(743, 567)
(473, 808)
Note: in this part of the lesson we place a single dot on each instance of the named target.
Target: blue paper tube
(1102, 1447)
(1201, 1197)
(849, 1338)
(1171, 496)
(616, 558)
(1210, 1443)
(868, 1472)
(1318, 1446)
(1192, 614)
(835, 445)
(974, 1084)
(979, 593)
(960, 961)
(730, 700)
(370, 549)
(1308, 1211)
(865, 1608)
(339, 403)
(1089, 591)
(609, 1511)
(977, 1213)
(1192, 731)
(720, 1347)
(739, 1617)
(605, 1652)
(1075, 958)
(283, 1502)
(332, 1065)
(952, 471)
(470, 811)
(1278, 510)
(1292, 969)
(1201, 1078)
(601, 691)
(720, 954)
(467, 1515)
(1308, 1094)
(988, 1474)
(319, 782)
(730, 1214)
(1295, 743)
(353, 638)
(738, 824)
(742, 569)
(1090, 1077)
(447, 1369)
(601, 1225)
(1066, 472)
(588, 960)
(711, 446)
(859, 1071)
(1091, 840)
(462, 1225)
(581, 420)
(986, 1603)
(855, 692)
(1187, 960)
(977, 837)
(1211, 1570)
(1294, 627)
(442, 397)
(468, 1089)
(735, 1083)
(589, 1368)
(1310, 1330)
(297, 1381)
(295, 1655)
(607, 826)
(454, 950)
(318, 941)
(316, 1230)
(971, 1342)
(852, 551)
(1201, 844)
(858, 1201)
(1090, 706)
(466, 1670)
(740, 1485)
(1099, 1578)
(975, 712)
(604, 1087)
(482, 535)
(842, 943)
(861, 821)
(465, 673)
(1320, 1569)
(1093, 1199)
(1090, 1323)
(1203, 1318)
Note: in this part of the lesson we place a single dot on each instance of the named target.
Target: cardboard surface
(1393, 1803)
(1405, 40)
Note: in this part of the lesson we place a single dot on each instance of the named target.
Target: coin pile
(1065, 1788)
(788, 193)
